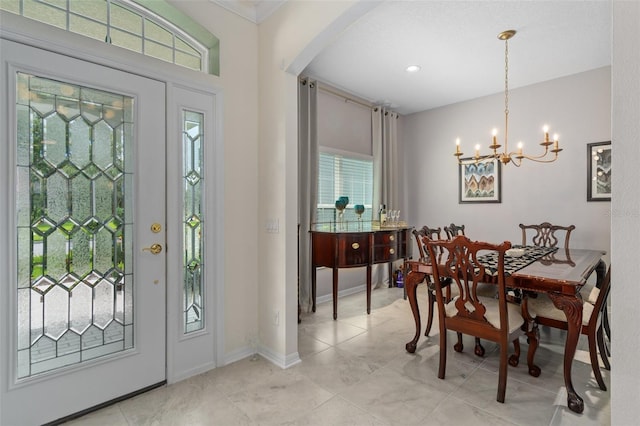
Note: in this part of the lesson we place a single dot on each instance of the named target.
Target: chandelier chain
(506, 77)
(506, 93)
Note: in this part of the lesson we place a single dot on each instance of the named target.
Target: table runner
(513, 264)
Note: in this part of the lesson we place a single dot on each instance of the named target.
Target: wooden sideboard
(362, 247)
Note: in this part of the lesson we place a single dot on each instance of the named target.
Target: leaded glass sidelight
(192, 144)
(74, 174)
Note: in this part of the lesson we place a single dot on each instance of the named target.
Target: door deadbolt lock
(154, 249)
(156, 227)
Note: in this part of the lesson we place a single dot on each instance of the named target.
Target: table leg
(368, 289)
(335, 293)
(572, 308)
(411, 285)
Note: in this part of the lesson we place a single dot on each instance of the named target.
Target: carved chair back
(546, 234)
(459, 262)
(452, 230)
(429, 233)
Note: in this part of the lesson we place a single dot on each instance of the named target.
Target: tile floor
(355, 371)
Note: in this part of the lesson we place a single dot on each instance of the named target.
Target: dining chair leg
(595, 366)
(458, 347)
(602, 348)
(443, 353)
(479, 349)
(502, 375)
(514, 359)
(431, 301)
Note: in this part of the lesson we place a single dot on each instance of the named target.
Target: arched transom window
(126, 24)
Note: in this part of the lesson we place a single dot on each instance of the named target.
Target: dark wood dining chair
(493, 319)
(485, 289)
(590, 293)
(422, 235)
(543, 312)
(549, 235)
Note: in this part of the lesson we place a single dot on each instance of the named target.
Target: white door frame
(180, 365)
(195, 352)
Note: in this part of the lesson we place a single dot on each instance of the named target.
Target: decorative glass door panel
(84, 295)
(74, 224)
(193, 135)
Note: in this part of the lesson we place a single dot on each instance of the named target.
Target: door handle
(154, 249)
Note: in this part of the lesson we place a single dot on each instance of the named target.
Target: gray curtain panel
(308, 184)
(385, 166)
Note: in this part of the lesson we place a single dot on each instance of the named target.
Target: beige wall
(258, 72)
(239, 82)
(283, 39)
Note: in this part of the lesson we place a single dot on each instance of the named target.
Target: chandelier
(514, 157)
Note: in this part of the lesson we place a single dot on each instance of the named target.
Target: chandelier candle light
(514, 157)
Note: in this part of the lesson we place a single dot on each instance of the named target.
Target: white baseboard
(342, 293)
(276, 359)
(280, 361)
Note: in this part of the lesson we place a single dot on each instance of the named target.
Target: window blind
(343, 175)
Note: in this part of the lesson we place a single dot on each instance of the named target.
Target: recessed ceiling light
(413, 68)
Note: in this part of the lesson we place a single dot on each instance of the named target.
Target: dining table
(558, 273)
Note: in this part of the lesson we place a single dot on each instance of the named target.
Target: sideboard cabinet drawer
(354, 250)
(385, 246)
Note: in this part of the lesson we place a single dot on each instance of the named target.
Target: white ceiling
(456, 44)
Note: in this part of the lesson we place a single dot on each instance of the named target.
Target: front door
(82, 295)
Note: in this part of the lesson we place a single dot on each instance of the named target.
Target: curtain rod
(355, 101)
(343, 96)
